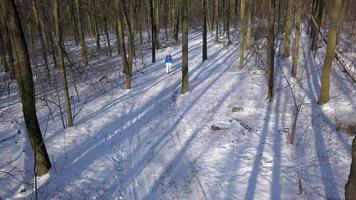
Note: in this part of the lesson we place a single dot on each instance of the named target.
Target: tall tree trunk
(42, 42)
(130, 30)
(249, 26)
(176, 25)
(345, 5)
(96, 25)
(2, 53)
(120, 28)
(350, 188)
(153, 30)
(73, 20)
(227, 20)
(319, 19)
(205, 47)
(60, 48)
(48, 28)
(330, 52)
(270, 51)
(25, 83)
(216, 6)
(107, 35)
(81, 33)
(185, 69)
(9, 51)
(297, 8)
(157, 19)
(242, 32)
(287, 29)
(311, 26)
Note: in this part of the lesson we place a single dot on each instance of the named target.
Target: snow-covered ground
(153, 143)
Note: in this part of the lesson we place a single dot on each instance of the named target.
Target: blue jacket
(168, 59)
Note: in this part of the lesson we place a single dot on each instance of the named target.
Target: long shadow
(250, 192)
(183, 151)
(313, 73)
(81, 153)
(213, 62)
(326, 172)
(147, 157)
(277, 145)
(143, 87)
(87, 152)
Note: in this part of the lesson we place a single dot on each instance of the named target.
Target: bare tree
(297, 8)
(81, 33)
(185, 69)
(270, 50)
(330, 52)
(205, 48)
(25, 83)
(61, 54)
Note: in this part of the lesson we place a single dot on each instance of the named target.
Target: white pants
(168, 67)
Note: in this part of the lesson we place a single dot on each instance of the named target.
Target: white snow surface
(153, 143)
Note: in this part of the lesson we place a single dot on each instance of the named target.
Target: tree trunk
(73, 21)
(297, 37)
(120, 28)
(153, 30)
(81, 34)
(227, 20)
(242, 32)
(60, 48)
(330, 52)
(107, 35)
(131, 45)
(96, 26)
(319, 19)
(216, 6)
(350, 188)
(9, 51)
(205, 47)
(157, 21)
(185, 69)
(25, 83)
(42, 42)
(270, 51)
(287, 29)
(249, 27)
(3, 54)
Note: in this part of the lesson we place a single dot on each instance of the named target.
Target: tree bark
(96, 25)
(9, 51)
(205, 47)
(270, 51)
(330, 52)
(60, 48)
(157, 21)
(287, 29)
(153, 30)
(350, 188)
(125, 62)
(42, 42)
(297, 8)
(242, 32)
(26, 87)
(249, 26)
(185, 69)
(2, 53)
(81, 34)
(319, 19)
(216, 6)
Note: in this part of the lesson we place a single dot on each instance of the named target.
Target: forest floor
(222, 140)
